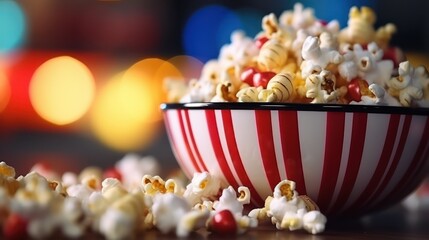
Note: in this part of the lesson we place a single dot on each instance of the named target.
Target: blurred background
(81, 80)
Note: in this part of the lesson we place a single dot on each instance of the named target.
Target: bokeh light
(200, 35)
(190, 67)
(4, 90)
(126, 114)
(62, 90)
(12, 26)
(210, 27)
(251, 20)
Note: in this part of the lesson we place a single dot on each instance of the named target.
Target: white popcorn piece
(239, 53)
(288, 210)
(299, 17)
(73, 221)
(115, 224)
(228, 200)
(366, 64)
(407, 87)
(202, 90)
(133, 167)
(203, 186)
(167, 211)
(191, 221)
(80, 191)
(316, 57)
(248, 94)
(314, 222)
(123, 218)
(293, 220)
(321, 88)
(378, 96)
(69, 179)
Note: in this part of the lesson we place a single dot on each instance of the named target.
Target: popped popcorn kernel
(6, 170)
(297, 42)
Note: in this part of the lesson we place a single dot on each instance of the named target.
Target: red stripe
(174, 146)
(217, 147)
(355, 157)
(288, 121)
(235, 156)
(396, 157)
(194, 145)
(266, 146)
(332, 160)
(382, 163)
(417, 164)
(185, 140)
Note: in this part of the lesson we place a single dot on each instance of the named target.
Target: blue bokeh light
(200, 38)
(210, 27)
(12, 26)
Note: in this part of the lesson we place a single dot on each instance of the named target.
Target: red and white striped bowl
(349, 159)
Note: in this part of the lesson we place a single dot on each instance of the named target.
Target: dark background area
(127, 30)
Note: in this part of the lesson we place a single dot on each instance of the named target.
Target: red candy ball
(247, 75)
(112, 173)
(223, 222)
(261, 41)
(262, 78)
(15, 227)
(356, 88)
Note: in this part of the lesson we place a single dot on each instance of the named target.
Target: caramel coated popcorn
(298, 58)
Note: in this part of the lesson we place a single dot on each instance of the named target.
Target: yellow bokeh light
(126, 114)
(152, 72)
(62, 90)
(120, 114)
(4, 90)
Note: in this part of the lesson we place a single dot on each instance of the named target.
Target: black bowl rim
(296, 107)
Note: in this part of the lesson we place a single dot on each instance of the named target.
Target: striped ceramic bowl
(350, 159)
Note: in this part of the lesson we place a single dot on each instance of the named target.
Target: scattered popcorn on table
(106, 206)
(288, 210)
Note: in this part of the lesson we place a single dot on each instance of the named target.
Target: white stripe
(179, 140)
(410, 148)
(188, 130)
(224, 144)
(247, 143)
(376, 132)
(278, 144)
(312, 132)
(344, 156)
(201, 132)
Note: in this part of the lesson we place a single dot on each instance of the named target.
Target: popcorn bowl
(349, 159)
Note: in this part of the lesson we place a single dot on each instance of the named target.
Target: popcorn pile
(302, 59)
(113, 204)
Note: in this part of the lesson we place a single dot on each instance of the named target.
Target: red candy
(261, 41)
(112, 173)
(356, 88)
(15, 227)
(223, 222)
(247, 75)
(262, 78)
